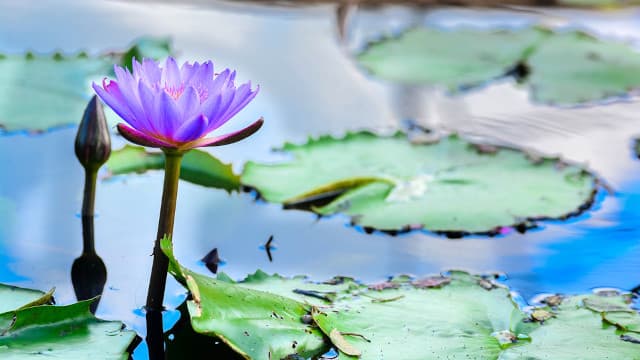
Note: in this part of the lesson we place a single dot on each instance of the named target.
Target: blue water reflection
(310, 86)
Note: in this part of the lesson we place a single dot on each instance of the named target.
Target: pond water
(310, 85)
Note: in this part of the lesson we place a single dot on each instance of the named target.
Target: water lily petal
(187, 71)
(166, 115)
(192, 130)
(147, 99)
(171, 75)
(216, 118)
(152, 71)
(111, 95)
(140, 138)
(215, 87)
(189, 103)
(129, 88)
(243, 96)
(231, 137)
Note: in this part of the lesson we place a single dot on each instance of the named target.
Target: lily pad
(13, 297)
(257, 324)
(460, 319)
(559, 67)
(430, 56)
(198, 167)
(39, 92)
(297, 288)
(575, 332)
(574, 67)
(66, 332)
(387, 183)
(457, 321)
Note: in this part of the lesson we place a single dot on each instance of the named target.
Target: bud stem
(87, 214)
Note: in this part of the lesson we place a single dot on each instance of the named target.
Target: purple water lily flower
(176, 107)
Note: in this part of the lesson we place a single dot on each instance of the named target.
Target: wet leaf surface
(575, 332)
(39, 92)
(257, 324)
(563, 68)
(444, 187)
(461, 320)
(198, 167)
(71, 332)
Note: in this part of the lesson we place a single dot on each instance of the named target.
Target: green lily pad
(559, 67)
(66, 332)
(387, 183)
(462, 318)
(13, 297)
(198, 167)
(39, 92)
(257, 324)
(458, 321)
(571, 68)
(297, 288)
(575, 332)
(429, 56)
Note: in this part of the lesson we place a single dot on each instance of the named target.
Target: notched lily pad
(564, 68)
(40, 92)
(445, 187)
(198, 167)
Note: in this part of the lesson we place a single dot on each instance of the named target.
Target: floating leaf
(446, 187)
(257, 324)
(457, 321)
(461, 320)
(66, 332)
(574, 332)
(570, 68)
(453, 59)
(198, 167)
(38, 92)
(13, 297)
(560, 67)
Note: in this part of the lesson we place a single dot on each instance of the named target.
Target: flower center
(174, 92)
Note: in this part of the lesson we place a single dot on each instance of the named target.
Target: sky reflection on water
(310, 86)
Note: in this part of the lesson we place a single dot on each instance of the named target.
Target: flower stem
(158, 279)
